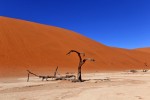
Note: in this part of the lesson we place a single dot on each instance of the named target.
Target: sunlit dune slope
(40, 48)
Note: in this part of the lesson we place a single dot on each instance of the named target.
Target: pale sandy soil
(100, 86)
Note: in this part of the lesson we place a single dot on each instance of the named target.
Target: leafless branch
(79, 53)
(32, 73)
(90, 59)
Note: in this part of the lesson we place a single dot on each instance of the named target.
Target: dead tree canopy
(81, 62)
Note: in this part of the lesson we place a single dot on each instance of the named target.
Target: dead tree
(43, 77)
(81, 62)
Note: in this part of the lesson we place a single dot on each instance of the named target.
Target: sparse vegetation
(145, 70)
(133, 71)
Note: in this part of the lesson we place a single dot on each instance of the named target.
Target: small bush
(133, 71)
(145, 70)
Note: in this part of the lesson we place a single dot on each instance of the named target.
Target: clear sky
(119, 23)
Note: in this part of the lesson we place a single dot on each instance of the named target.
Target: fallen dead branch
(43, 77)
(66, 77)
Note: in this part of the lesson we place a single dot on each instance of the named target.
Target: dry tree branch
(90, 59)
(79, 54)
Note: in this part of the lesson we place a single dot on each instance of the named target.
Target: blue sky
(117, 23)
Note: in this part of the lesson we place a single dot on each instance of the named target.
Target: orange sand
(40, 48)
(144, 50)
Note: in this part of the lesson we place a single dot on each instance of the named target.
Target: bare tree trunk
(79, 77)
(28, 77)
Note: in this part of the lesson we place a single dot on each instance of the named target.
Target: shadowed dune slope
(40, 48)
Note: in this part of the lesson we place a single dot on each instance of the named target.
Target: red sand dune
(40, 48)
(144, 50)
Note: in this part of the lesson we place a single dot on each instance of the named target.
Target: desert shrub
(145, 70)
(133, 71)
